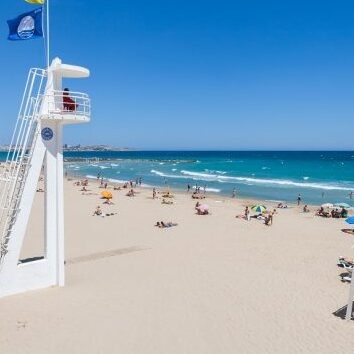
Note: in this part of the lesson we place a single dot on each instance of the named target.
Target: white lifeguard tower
(37, 142)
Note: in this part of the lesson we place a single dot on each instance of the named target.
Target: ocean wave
(305, 178)
(208, 177)
(216, 171)
(161, 174)
(114, 164)
(103, 167)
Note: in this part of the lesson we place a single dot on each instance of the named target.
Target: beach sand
(213, 284)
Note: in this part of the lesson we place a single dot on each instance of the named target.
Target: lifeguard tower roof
(69, 71)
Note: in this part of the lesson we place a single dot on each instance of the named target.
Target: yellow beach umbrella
(107, 194)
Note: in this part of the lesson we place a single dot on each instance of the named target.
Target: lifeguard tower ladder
(37, 142)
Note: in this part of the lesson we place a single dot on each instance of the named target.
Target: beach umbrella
(106, 194)
(327, 205)
(259, 208)
(350, 220)
(342, 205)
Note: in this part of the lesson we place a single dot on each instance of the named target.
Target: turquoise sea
(318, 176)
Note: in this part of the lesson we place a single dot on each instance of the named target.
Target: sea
(318, 176)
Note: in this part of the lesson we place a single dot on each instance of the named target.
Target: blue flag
(26, 26)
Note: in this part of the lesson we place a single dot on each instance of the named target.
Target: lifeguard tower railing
(14, 171)
(78, 110)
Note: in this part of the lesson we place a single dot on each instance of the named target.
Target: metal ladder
(14, 172)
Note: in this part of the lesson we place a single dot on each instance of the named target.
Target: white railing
(63, 102)
(14, 171)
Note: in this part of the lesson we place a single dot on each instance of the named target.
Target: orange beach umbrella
(106, 194)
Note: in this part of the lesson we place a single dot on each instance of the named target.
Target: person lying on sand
(197, 195)
(83, 189)
(108, 201)
(282, 206)
(167, 195)
(163, 225)
(164, 201)
(116, 188)
(40, 190)
(345, 262)
(240, 216)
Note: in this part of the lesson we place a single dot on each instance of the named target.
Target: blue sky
(197, 74)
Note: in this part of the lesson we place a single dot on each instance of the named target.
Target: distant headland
(79, 147)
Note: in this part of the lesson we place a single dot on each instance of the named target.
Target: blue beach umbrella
(350, 220)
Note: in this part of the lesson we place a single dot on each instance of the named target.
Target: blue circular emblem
(47, 133)
(25, 29)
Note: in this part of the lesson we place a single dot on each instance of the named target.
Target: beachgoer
(153, 193)
(131, 193)
(247, 214)
(269, 220)
(98, 211)
(233, 195)
(298, 199)
(188, 188)
(306, 209)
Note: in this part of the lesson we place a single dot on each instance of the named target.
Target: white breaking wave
(216, 171)
(114, 164)
(103, 167)
(161, 174)
(213, 190)
(209, 177)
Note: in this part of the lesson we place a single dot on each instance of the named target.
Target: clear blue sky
(198, 74)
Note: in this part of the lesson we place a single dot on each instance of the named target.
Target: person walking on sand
(247, 214)
(153, 193)
(233, 193)
(298, 199)
(188, 188)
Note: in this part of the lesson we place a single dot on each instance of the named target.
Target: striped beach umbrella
(259, 208)
(342, 205)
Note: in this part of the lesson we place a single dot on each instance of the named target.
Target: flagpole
(48, 41)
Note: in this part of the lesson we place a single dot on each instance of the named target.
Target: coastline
(244, 200)
(216, 283)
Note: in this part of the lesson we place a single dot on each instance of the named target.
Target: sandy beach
(212, 284)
